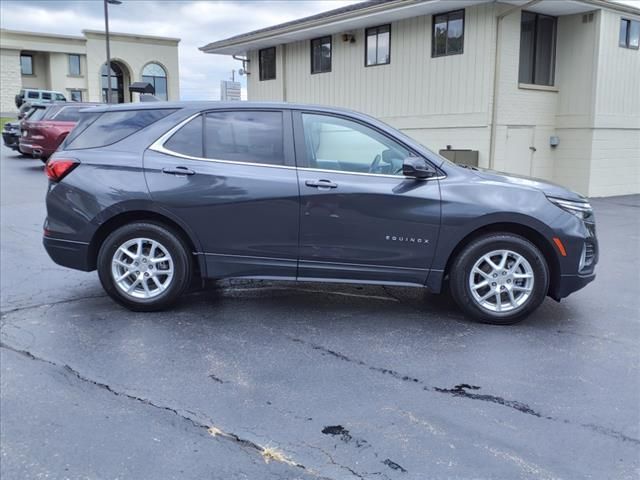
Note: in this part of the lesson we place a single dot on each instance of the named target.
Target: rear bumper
(68, 253)
(571, 283)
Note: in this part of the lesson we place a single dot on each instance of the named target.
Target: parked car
(152, 194)
(11, 135)
(36, 95)
(44, 130)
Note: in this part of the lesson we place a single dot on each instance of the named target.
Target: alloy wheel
(501, 281)
(142, 268)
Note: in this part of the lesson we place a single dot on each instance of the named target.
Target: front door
(237, 189)
(360, 218)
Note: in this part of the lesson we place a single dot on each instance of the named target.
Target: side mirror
(418, 167)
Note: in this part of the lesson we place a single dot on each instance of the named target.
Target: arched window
(156, 76)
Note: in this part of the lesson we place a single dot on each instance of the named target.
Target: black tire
(464, 262)
(182, 265)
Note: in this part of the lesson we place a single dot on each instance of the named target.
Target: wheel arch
(529, 233)
(118, 220)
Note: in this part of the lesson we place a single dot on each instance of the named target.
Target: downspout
(496, 71)
(284, 71)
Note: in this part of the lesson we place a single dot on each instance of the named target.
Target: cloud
(196, 23)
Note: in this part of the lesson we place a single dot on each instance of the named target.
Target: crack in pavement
(461, 390)
(49, 304)
(267, 453)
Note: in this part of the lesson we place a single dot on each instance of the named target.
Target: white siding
(593, 106)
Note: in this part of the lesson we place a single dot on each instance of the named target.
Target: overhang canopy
(376, 12)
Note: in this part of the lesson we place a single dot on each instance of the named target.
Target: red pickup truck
(45, 129)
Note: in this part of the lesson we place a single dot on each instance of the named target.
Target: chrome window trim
(158, 146)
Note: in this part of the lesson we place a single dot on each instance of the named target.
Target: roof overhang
(380, 13)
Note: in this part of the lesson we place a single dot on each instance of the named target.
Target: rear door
(230, 176)
(360, 218)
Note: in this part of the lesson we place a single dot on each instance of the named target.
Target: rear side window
(68, 114)
(111, 127)
(46, 96)
(187, 140)
(244, 136)
(37, 114)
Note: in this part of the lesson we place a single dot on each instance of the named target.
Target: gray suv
(153, 195)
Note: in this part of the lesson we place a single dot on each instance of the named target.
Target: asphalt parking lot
(262, 380)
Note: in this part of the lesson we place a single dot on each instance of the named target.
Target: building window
(321, 55)
(537, 49)
(629, 33)
(378, 45)
(448, 34)
(156, 76)
(74, 65)
(26, 64)
(76, 95)
(267, 63)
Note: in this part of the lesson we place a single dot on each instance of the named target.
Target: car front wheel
(499, 278)
(144, 266)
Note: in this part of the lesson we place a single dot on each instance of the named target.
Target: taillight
(58, 168)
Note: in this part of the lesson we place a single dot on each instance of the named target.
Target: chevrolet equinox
(154, 194)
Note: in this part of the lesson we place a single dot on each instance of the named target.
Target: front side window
(74, 65)
(156, 76)
(378, 45)
(244, 136)
(448, 34)
(629, 33)
(334, 143)
(321, 55)
(537, 49)
(267, 63)
(26, 64)
(46, 96)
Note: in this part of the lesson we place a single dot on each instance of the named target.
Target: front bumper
(68, 253)
(571, 283)
(11, 140)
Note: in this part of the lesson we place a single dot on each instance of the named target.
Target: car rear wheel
(144, 266)
(499, 278)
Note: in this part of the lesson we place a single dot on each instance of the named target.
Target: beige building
(544, 88)
(76, 66)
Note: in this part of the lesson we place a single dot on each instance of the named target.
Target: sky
(195, 22)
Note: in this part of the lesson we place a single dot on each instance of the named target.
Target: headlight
(582, 210)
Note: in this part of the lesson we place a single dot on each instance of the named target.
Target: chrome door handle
(178, 171)
(321, 184)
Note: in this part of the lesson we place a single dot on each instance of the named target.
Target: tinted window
(537, 49)
(111, 127)
(36, 114)
(187, 140)
(46, 95)
(33, 95)
(267, 61)
(321, 55)
(334, 143)
(448, 34)
(244, 136)
(68, 114)
(86, 119)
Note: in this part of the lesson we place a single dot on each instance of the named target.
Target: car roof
(215, 105)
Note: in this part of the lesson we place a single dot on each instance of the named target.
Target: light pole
(106, 31)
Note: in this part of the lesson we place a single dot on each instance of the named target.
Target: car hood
(548, 188)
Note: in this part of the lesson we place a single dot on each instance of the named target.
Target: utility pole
(106, 31)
